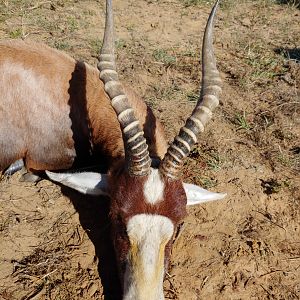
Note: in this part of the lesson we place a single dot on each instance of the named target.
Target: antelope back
(55, 113)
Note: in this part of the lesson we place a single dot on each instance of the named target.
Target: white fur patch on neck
(148, 235)
(154, 187)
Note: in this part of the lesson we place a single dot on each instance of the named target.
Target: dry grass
(248, 245)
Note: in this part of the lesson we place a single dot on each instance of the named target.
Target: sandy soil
(55, 243)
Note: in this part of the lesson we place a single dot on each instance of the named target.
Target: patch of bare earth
(245, 247)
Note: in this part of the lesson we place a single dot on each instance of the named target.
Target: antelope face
(145, 212)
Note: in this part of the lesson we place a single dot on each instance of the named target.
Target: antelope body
(56, 112)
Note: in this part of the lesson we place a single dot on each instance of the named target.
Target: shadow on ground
(94, 218)
(289, 53)
(290, 2)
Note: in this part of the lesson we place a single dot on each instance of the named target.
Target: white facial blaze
(154, 187)
(148, 235)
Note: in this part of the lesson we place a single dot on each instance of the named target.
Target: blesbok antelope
(147, 202)
(56, 110)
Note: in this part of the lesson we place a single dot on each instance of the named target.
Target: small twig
(204, 282)
(158, 63)
(271, 221)
(47, 275)
(33, 293)
(271, 272)
(283, 104)
(268, 292)
(292, 258)
(38, 5)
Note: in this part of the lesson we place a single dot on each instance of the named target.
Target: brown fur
(78, 122)
(128, 198)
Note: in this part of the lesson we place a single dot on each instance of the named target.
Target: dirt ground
(54, 243)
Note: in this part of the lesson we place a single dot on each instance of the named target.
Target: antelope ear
(196, 195)
(88, 183)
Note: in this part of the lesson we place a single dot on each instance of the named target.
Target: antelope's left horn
(208, 101)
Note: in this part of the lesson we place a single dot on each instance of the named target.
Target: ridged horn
(136, 148)
(208, 101)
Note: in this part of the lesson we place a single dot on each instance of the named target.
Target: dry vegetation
(246, 247)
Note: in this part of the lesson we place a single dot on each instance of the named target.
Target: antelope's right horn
(137, 155)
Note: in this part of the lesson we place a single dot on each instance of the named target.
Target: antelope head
(148, 203)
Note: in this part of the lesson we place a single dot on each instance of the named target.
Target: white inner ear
(196, 195)
(89, 183)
